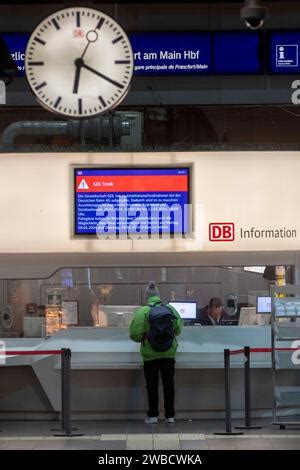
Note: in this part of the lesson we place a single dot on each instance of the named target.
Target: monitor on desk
(263, 304)
(187, 310)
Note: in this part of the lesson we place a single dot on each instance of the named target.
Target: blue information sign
(172, 53)
(16, 45)
(193, 53)
(237, 53)
(284, 52)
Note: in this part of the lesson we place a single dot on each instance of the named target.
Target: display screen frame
(171, 302)
(263, 57)
(74, 167)
(258, 311)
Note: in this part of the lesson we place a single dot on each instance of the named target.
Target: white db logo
(296, 354)
(2, 352)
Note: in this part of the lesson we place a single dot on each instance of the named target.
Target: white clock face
(79, 62)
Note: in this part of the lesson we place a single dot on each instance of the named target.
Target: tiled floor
(135, 435)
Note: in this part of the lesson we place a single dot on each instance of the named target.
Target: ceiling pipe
(94, 129)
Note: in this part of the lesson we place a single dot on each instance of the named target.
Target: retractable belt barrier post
(63, 395)
(246, 351)
(247, 391)
(227, 397)
(66, 410)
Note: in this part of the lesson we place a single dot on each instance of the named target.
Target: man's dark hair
(215, 302)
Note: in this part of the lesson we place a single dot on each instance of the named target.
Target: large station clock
(79, 62)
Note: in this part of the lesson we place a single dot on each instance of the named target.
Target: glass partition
(106, 297)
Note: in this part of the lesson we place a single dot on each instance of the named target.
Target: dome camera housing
(253, 14)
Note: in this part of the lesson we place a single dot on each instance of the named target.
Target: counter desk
(107, 375)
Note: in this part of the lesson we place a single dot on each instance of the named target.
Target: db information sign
(221, 232)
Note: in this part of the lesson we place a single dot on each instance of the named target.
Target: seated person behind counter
(213, 313)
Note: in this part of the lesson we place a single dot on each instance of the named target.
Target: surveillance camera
(253, 14)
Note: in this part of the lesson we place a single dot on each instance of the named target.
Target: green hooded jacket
(140, 325)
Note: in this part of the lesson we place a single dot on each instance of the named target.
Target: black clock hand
(79, 61)
(86, 47)
(78, 65)
(119, 85)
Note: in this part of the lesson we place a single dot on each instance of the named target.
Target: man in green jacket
(156, 362)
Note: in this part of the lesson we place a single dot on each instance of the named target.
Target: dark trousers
(166, 368)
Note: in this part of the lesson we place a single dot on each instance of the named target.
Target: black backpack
(161, 331)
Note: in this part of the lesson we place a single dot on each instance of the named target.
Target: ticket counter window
(107, 297)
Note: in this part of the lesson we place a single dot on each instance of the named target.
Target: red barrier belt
(58, 352)
(237, 351)
(30, 353)
(275, 349)
(262, 350)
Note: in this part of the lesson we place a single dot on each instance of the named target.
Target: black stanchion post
(62, 388)
(63, 393)
(4, 354)
(66, 395)
(227, 397)
(68, 410)
(247, 391)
